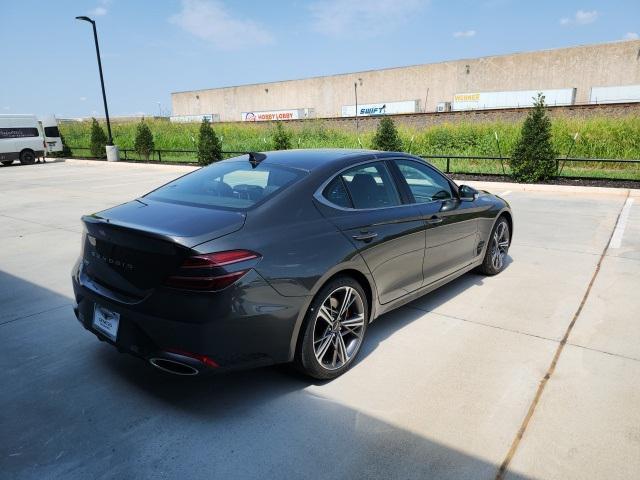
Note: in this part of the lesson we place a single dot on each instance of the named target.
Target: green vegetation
(98, 140)
(533, 159)
(143, 143)
(386, 137)
(598, 138)
(281, 138)
(209, 145)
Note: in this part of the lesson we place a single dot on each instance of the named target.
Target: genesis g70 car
(279, 257)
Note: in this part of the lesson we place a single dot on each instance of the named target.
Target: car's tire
(497, 248)
(330, 339)
(27, 157)
(6, 163)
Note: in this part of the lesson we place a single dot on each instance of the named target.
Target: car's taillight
(212, 271)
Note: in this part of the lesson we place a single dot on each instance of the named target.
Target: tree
(386, 137)
(281, 139)
(98, 140)
(533, 158)
(143, 144)
(209, 145)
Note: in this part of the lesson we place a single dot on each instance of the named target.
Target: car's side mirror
(467, 193)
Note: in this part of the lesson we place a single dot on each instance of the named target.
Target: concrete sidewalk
(441, 390)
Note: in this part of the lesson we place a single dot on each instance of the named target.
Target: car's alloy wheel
(496, 253)
(334, 330)
(499, 245)
(338, 328)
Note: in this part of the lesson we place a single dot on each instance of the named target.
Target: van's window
(18, 132)
(370, 186)
(51, 132)
(234, 185)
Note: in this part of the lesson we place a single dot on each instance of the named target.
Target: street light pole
(355, 88)
(104, 95)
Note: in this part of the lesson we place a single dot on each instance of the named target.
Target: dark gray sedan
(279, 257)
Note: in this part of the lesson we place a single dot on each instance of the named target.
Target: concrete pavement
(441, 388)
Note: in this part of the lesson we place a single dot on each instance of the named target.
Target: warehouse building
(603, 73)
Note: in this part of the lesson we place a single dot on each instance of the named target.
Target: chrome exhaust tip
(173, 366)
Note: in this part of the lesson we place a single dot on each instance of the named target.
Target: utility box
(443, 107)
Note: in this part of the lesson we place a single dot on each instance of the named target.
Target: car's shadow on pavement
(184, 392)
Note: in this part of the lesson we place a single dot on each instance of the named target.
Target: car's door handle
(434, 219)
(365, 236)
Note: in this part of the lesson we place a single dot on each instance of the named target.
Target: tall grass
(598, 137)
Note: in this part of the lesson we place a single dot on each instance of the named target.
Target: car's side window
(337, 194)
(371, 186)
(425, 184)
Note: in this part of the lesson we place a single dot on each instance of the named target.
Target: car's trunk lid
(130, 249)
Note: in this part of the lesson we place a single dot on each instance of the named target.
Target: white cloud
(631, 36)
(82, 99)
(361, 17)
(464, 34)
(101, 9)
(211, 21)
(581, 17)
(6, 107)
(98, 12)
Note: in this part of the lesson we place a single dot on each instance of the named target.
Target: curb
(537, 187)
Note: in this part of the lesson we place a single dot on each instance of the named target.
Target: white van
(21, 138)
(52, 138)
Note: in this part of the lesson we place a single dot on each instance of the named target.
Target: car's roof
(310, 159)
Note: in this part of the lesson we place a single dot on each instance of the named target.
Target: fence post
(448, 169)
(159, 155)
(557, 167)
(125, 154)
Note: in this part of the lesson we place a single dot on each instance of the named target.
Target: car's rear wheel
(27, 157)
(334, 329)
(495, 256)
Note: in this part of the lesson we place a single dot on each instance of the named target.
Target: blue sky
(152, 48)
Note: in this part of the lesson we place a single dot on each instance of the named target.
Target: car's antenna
(255, 158)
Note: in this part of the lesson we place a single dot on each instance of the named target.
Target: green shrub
(386, 137)
(281, 139)
(533, 158)
(98, 140)
(209, 145)
(143, 144)
(66, 151)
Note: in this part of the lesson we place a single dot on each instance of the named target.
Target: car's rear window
(51, 132)
(233, 185)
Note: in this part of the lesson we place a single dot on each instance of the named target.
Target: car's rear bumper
(248, 324)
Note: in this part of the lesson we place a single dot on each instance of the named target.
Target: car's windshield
(232, 185)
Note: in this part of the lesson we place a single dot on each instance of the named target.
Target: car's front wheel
(495, 256)
(334, 329)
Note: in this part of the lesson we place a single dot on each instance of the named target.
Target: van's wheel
(498, 245)
(7, 163)
(334, 329)
(27, 157)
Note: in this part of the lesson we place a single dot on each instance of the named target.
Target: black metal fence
(572, 167)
